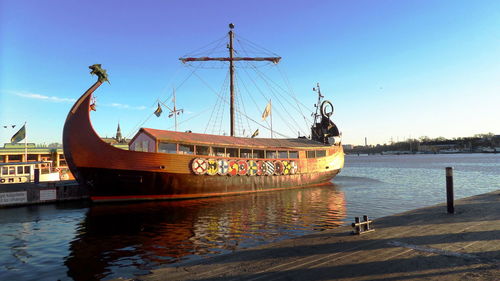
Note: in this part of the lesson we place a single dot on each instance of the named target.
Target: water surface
(79, 241)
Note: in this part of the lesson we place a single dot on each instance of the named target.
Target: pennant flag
(92, 107)
(256, 133)
(5, 127)
(13, 126)
(158, 111)
(267, 111)
(19, 136)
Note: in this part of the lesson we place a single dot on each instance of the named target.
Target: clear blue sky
(392, 68)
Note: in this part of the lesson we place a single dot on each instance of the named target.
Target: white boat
(21, 172)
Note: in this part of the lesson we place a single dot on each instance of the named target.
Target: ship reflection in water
(129, 239)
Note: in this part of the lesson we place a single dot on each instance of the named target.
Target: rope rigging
(282, 100)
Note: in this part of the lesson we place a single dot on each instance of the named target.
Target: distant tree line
(413, 145)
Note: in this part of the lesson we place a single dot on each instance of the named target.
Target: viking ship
(163, 164)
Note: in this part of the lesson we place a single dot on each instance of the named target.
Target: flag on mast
(256, 133)
(19, 136)
(267, 111)
(158, 111)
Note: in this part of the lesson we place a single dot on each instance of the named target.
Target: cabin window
(245, 153)
(186, 149)
(14, 158)
(202, 150)
(293, 154)
(5, 170)
(320, 153)
(219, 151)
(310, 154)
(145, 146)
(26, 169)
(282, 154)
(32, 157)
(138, 146)
(167, 147)
(258, 154)
(12, 170)
(19, 170)
(271, 154)
(232, 152)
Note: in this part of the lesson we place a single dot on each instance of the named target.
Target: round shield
(252, 168)
(278, 167)
(199, 166)
(260, 168)
(222, 167)
(212, 167)
(242, 167)
(269, 168)
(286, 167)
(233, 167)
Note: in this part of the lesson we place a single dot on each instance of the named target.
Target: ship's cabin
(150, 140)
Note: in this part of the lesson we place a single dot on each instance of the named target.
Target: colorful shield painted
(212, 167)
(252, 168)
(199, 166)
(268, 168)
(278, 167)
(223, 167)
(294, 167)
(233, 167)
(242, 167)
(260, 168)
(286, 167)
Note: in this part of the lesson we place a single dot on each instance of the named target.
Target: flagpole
(25, 143)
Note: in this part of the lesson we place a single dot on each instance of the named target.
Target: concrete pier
(426, 243)
(44, 192)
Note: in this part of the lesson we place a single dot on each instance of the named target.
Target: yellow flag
(267, 111)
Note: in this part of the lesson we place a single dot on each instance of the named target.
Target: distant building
(118, 141)
(347, 146)
(15, 152)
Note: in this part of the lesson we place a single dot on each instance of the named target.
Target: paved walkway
(424, 244)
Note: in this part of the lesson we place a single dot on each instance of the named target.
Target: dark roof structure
(196, 138)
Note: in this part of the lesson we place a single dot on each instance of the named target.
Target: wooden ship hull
(113, 174)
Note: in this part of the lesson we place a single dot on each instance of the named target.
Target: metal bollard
(449, 190)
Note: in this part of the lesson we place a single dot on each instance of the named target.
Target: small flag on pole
(158, 111)
(267, 111)
(256, 133)
(19, 136)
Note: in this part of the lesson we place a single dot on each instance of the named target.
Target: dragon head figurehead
(102, 76)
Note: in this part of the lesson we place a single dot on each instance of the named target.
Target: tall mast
(231, 60)
(175, 111)
(231, 77)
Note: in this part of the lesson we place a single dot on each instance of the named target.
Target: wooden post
(231, 79)
(449, 190)
(37, 175)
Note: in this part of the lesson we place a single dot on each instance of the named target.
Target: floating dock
(426, 243)
(21, 194)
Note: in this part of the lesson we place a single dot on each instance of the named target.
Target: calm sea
(76, 241)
